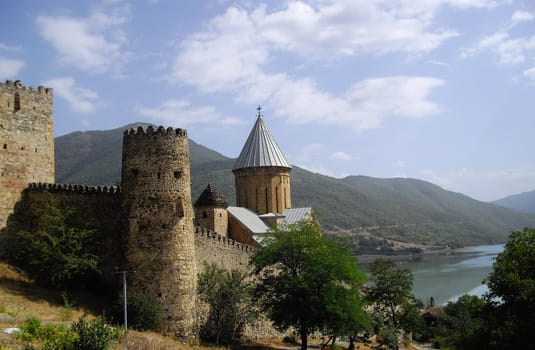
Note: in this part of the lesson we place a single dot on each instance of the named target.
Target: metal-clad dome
(261, 149)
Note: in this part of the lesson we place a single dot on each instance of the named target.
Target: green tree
(308, 281)
(58, 252)
(228, 294)
(463, 325)
(512, 292)
(503, 319)
(393, 304)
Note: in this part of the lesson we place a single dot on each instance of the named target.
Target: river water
(445, 277)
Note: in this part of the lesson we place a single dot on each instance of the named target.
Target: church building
(263, 195)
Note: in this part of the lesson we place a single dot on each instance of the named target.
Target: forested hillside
(406, 210)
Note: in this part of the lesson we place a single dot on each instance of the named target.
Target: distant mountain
(524, 202)
(405, 210)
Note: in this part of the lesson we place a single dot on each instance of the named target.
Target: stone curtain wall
(213, 248)
(157, 201)
(96, 208)
(26, 142)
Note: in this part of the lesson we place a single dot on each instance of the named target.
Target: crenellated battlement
(160, 131)
(222, 240)
(74, 188)
(17, 85)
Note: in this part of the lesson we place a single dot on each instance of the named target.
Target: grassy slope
(20, 299)
(402, 209)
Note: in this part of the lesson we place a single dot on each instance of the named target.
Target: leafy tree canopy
(58, 252)
(504, 318)
(309, 281)
(394, 306)
(512, 291)
(228, 294)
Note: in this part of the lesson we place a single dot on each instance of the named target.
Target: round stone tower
(160, 243)
(262, 173)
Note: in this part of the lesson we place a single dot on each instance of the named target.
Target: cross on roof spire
(259, 109)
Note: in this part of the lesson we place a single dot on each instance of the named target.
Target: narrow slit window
(17, 102)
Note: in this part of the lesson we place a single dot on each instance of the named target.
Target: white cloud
(10, 68)
(309, 152)
(234, 51)
(439, 63)
(349, 28)
(399, 95)
(522, 16)
(476, 3)
(342, 156)
(509, 50)
(224, 57)
(530, 74)
(182, 114)
(80, 99)
(94, 43)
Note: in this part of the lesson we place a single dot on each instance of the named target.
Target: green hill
(405, 210)
(524, 202)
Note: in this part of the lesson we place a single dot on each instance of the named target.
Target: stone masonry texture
(160, 245)
(263, 189)
(145, 225)
(26, 142)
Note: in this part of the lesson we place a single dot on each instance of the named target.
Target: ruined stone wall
(26, 142)
(212, 248)
(263, 189)
(156, 189)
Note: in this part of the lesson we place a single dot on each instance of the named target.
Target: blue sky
(439, 90)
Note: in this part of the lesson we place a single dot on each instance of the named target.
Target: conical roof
(211, 197)
(261, 149)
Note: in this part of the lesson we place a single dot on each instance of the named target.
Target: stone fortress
(149, 224)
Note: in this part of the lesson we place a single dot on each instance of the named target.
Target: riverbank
(369, 258)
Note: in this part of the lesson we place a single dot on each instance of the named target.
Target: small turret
(211, 210)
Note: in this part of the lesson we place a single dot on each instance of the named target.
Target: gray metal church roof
(294, 215)
(248, 219)
(261, 149)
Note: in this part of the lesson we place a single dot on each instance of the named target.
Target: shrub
(94, 334)
(57, 337)
(52, 336)
(28, 330)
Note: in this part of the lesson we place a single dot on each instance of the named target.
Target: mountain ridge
(405, 210)
(524, 202)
